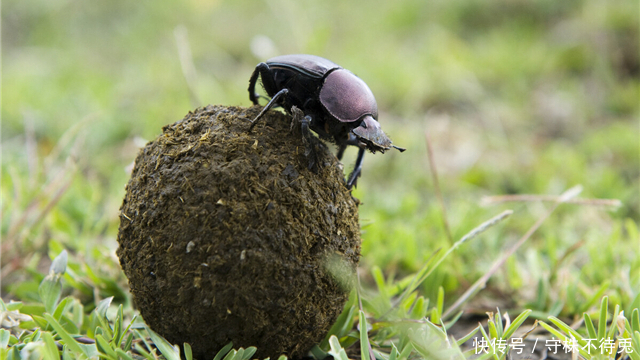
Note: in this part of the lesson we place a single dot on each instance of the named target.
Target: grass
(520, 101)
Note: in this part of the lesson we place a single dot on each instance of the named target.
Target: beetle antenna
(399, 148)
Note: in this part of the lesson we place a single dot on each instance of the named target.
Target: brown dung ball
(227, 235)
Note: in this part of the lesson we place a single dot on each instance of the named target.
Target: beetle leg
(341, 149)
(263, 70)
(306, 134)
(309, 151)
(353, 178)
(352, 140)
(273, 102)
(305, 129)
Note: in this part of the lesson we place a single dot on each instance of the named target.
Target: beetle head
(369, 134)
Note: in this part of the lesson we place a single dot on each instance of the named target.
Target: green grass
(516, 98)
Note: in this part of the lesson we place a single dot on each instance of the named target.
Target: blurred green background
(516, 96)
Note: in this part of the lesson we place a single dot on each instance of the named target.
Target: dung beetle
(337, 104)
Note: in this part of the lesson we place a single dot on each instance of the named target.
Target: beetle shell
(343, 95)
(310, 65)
(346, 97)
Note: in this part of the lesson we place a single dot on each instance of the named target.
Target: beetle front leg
(262, 70)
(355, 174)
(353, 178)
(352, 140)
(306, 134)
(341, 149)
(305, 128)
(273, 102)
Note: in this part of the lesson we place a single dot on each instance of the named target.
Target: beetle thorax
(346, 97)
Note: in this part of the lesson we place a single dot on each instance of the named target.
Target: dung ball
(227, 235)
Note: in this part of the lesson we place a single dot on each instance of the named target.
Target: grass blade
(617, 315)
(635, 320)
(220, 355)
(103, 306)
(436, 315)
(50, 348)
(188, 354)
(498, 322)
(231, 355)
(248, 352)
(105, 348)
(118, 333)
(490, 344)
(364, 338)
(464, 339)
(5, 336)
(141, 350)
(169, 351)
(419, 277)
(420, 308)
(393, 355)
(68, 339)
(51, 287)
(238, 355)
(567, 330)
(591, 330)
(594, 299)
(337, 351)
(128, 342)
(406, 351)
(123, 355)
(61, 308)
(517, 322)
(344, 323)
(602, 322)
